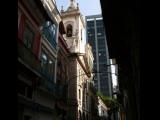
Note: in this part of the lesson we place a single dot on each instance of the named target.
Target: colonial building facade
(38, 26)
(102, 109)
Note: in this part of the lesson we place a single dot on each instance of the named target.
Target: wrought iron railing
(48, 35)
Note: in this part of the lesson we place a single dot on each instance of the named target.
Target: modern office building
(96, 37)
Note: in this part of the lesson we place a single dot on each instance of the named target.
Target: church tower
(75, 27)
(75, 38)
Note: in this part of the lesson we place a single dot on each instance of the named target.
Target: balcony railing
(28, 57)
(48, 35)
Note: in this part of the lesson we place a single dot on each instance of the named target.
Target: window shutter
(37, 44)
(21, 27)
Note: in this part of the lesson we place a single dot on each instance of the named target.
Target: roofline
(94, 16)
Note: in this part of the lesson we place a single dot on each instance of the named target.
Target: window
(51, 66)
(49, 32)
(99, 22)
(79, 94)
(48, 65)
(87, 117)
(44, 60)
(90, 23)
(80, 115)
(28, 36)
(80, 77)
(83, 94)
(69, 30)
(101, 30)
(86, 99)
(99, 34)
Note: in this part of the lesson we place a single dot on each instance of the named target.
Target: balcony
(47, 36)
(58, 91)
(48, 86)
(47, 81)
(49, 33)
(28, 57)
(45, 73)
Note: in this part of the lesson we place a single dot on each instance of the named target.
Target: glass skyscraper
(96, 37)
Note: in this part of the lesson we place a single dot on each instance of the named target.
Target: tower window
(69, 30)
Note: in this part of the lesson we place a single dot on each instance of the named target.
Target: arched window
(80, 115)
(83, 116)
(87, 117)
(69, 30)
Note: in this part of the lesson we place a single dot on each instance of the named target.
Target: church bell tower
(75, 27)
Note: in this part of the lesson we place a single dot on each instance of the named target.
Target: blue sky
(87, 7)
